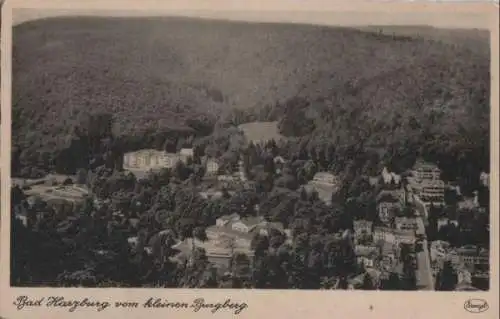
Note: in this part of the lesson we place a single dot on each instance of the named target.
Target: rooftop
(230, 217)
(421, 164)
(396, 232)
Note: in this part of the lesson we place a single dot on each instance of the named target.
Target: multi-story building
(394, 236)
(325, 178)
(426, 171)
(212, 166)
(469, 255)
(426, 185)
(149, 159)
(405, 223)
(429, 190)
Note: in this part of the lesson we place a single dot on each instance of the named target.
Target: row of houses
(470, 263)
(469, 255)
(403, 232)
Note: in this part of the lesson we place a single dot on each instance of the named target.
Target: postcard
(198, 159)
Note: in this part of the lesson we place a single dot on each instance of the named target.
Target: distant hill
(160, 72)
(476, 39)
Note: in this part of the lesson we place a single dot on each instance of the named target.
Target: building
(389, 203)
(396, 178)
(325, 178)
(485, 179)
(426, 184)
(226, 219)
(362, 228)
(279, 164)
(426, 171)
(235, 225)
(366, 255)
(323, 190)
(439, 250)
(186, 152)
(429, 190)
(394, 236)
(405, 223)
(390, 178)
(211, 166)
(231, 234)
(470, 256)
(443, 221)
(386, 176)
(149, 159)
(246, 225)
(464, 280)
(211, 194)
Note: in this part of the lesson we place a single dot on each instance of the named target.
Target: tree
(81, 176)
(446, 278)
(367, 282)
(391, 283)
(200, 233)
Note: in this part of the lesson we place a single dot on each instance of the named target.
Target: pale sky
(346, 18)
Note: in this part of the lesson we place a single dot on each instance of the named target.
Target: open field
(69, 193)
(261, 131)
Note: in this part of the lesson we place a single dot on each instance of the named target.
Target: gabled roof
(323, 175)
(186, 152)
(229, 217)
(421, 164)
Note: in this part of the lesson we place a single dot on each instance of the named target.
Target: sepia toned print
(211, 162)
(202, 153)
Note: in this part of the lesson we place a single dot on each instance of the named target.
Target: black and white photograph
(228, 151)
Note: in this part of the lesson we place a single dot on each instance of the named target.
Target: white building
(325, 178)
(212, 166)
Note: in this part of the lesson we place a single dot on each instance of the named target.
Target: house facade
(394, 236)
(405, 223)
(426, 183)
(389, 203)
(325, 178)
(426, 171)
(149, 159)
(362, 227)
(212, 166)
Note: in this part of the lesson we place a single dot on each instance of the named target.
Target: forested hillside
(358, 90)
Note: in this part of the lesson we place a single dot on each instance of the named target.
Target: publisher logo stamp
(476, 305)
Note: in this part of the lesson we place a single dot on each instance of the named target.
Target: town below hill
(181, 220)
(332, 158)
